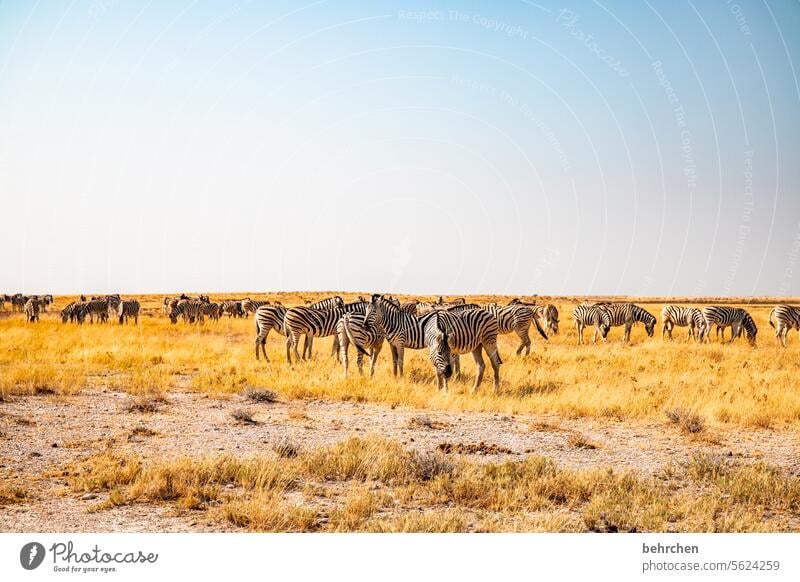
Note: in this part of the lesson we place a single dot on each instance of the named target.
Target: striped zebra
(233, 307)
(268, 318)
(127, 309)
(32, 307)
(97, 307)
(368, 340)
(315, 322)
(547, 315)
(45, 301)
(587, 315)
(406, 331)
(629, 314)
(250, 306)
(786, 317)
(18, 301)
(736, 318)
(67, 312)
(211, 309)
(473, 331)
(515, 318)
(677, 315)
(189, 310)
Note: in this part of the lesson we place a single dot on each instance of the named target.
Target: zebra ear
(376, 297)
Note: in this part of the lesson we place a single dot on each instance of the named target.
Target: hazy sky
(421, 147)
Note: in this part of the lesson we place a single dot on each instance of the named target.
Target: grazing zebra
(596, 315)
(368, 340)
(548, 316)
(233, 307)
(67, 312)
(786, 318)
(32, 307)
(691, 317)
(723, 316)
(629, 314)
(97, 307)
(516, 318)
(472, 331)
(211, 309)
(250, 306)
(315, 322)
(189, 309)
(18, 302)
(46, 300)
(128, 309)
(406, 331)
(268, 318)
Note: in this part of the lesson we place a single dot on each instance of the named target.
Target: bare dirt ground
(40, 435)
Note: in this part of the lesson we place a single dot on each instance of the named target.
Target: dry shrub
(423, 521)
(577, 440)
(12, 494)
(298, 414)
(689, 421)
(146, 403)
(103, 471)
(243, 416)
(359, 505)
(425, 421)
(286, 449)
(260, 395)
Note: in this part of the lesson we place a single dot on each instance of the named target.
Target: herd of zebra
(446, 329)
(98, 307)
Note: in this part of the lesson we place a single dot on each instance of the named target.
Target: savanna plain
(162, 427)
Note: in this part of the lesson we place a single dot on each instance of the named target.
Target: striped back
(597, 315)
(469, 329)
(785, 316)
(270, 317)
(400, 327)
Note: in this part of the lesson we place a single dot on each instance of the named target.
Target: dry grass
(688, 420)
(606, 381)
(260, 395)
(12, 494)
(376, 485)
(243, 416)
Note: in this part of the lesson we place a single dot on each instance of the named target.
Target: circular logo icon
(31, 555)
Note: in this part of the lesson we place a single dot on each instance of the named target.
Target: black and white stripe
(368, 340)
(128, 309)
(682, 316)
(592, 315)
(189, 309)
(315, 322)
(786, 318)
(629, 314)
(97, 307)
(722, 316)
(32, 308)
(406, 331)
(268, 318)
(513, 318)
(473, 331)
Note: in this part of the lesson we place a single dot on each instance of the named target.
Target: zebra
(233, 307)
(268, 318)
(127, 309)
(32, 307)
(547, 315)
(786, 318)
(67, 312)
(516, 318)
(45, 301)
(723, 316)
(18, 301)
(629, 314)
(250, 306)
(406, 331)
(189, 309)
(74, 312)
(211, 309)
(315, 322)
(97, 307)
(473, 330)
(368, 340)
(596, 315)
(691, 317)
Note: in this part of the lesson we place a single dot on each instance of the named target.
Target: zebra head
(67, 312)
(649, 324)
(439, 347)
(175, 311)
(750, 328)
(374, 313)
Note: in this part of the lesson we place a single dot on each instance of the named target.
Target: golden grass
(373, 484)
(736, 384)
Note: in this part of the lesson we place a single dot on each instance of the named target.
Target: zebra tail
(770, 317)
(539, 327)
(353, 340)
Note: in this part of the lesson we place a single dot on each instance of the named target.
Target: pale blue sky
(424, 147)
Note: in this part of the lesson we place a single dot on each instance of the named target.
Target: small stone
(54, 445)
(88, 496)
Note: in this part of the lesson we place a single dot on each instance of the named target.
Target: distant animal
(268, 318)
(785, 318)
(722, 316)
(596, 315)
(32, 307)
(127, 309)
(368, 340)
(682, 316)
(629, 314)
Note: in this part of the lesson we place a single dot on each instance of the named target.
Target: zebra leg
(455, 362)
(310, 338)
(344, 344)
(478, 356)
(374, 358)
(735, 330)
(400, 355)
(525, 343)
(579, 327)
(335, 347)
(627, 335)
(494, 359)
(360, 362)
